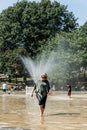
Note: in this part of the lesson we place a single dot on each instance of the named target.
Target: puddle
(21, 112)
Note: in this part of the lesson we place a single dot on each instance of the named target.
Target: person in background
(4, 87)
(42, 90)
(69, 90)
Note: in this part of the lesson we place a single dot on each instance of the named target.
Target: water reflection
(62, 113)
(4, 104)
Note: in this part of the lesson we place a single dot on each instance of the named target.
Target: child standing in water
(41, 89)
(69, 90)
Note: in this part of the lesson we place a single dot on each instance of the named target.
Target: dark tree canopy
(26, 26)
(27, 23)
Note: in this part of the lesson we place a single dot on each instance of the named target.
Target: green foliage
(71, 52)
(26, 28)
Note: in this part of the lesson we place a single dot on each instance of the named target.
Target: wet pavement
(21, 112)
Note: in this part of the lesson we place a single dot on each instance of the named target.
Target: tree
(28, 25)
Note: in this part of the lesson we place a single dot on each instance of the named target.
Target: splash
(44, 64)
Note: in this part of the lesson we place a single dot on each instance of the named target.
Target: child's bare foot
(42, 119)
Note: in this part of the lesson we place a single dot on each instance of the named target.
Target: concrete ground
(21, 112)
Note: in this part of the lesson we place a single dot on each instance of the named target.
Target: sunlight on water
(62, 113)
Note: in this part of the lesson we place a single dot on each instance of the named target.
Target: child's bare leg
(41, 110)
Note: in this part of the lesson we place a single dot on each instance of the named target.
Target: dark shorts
(4, 90)
(69, 93)
(41, 101)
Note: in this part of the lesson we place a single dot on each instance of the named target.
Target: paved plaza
(21, 112)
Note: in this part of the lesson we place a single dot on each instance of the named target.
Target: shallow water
(18, 112)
